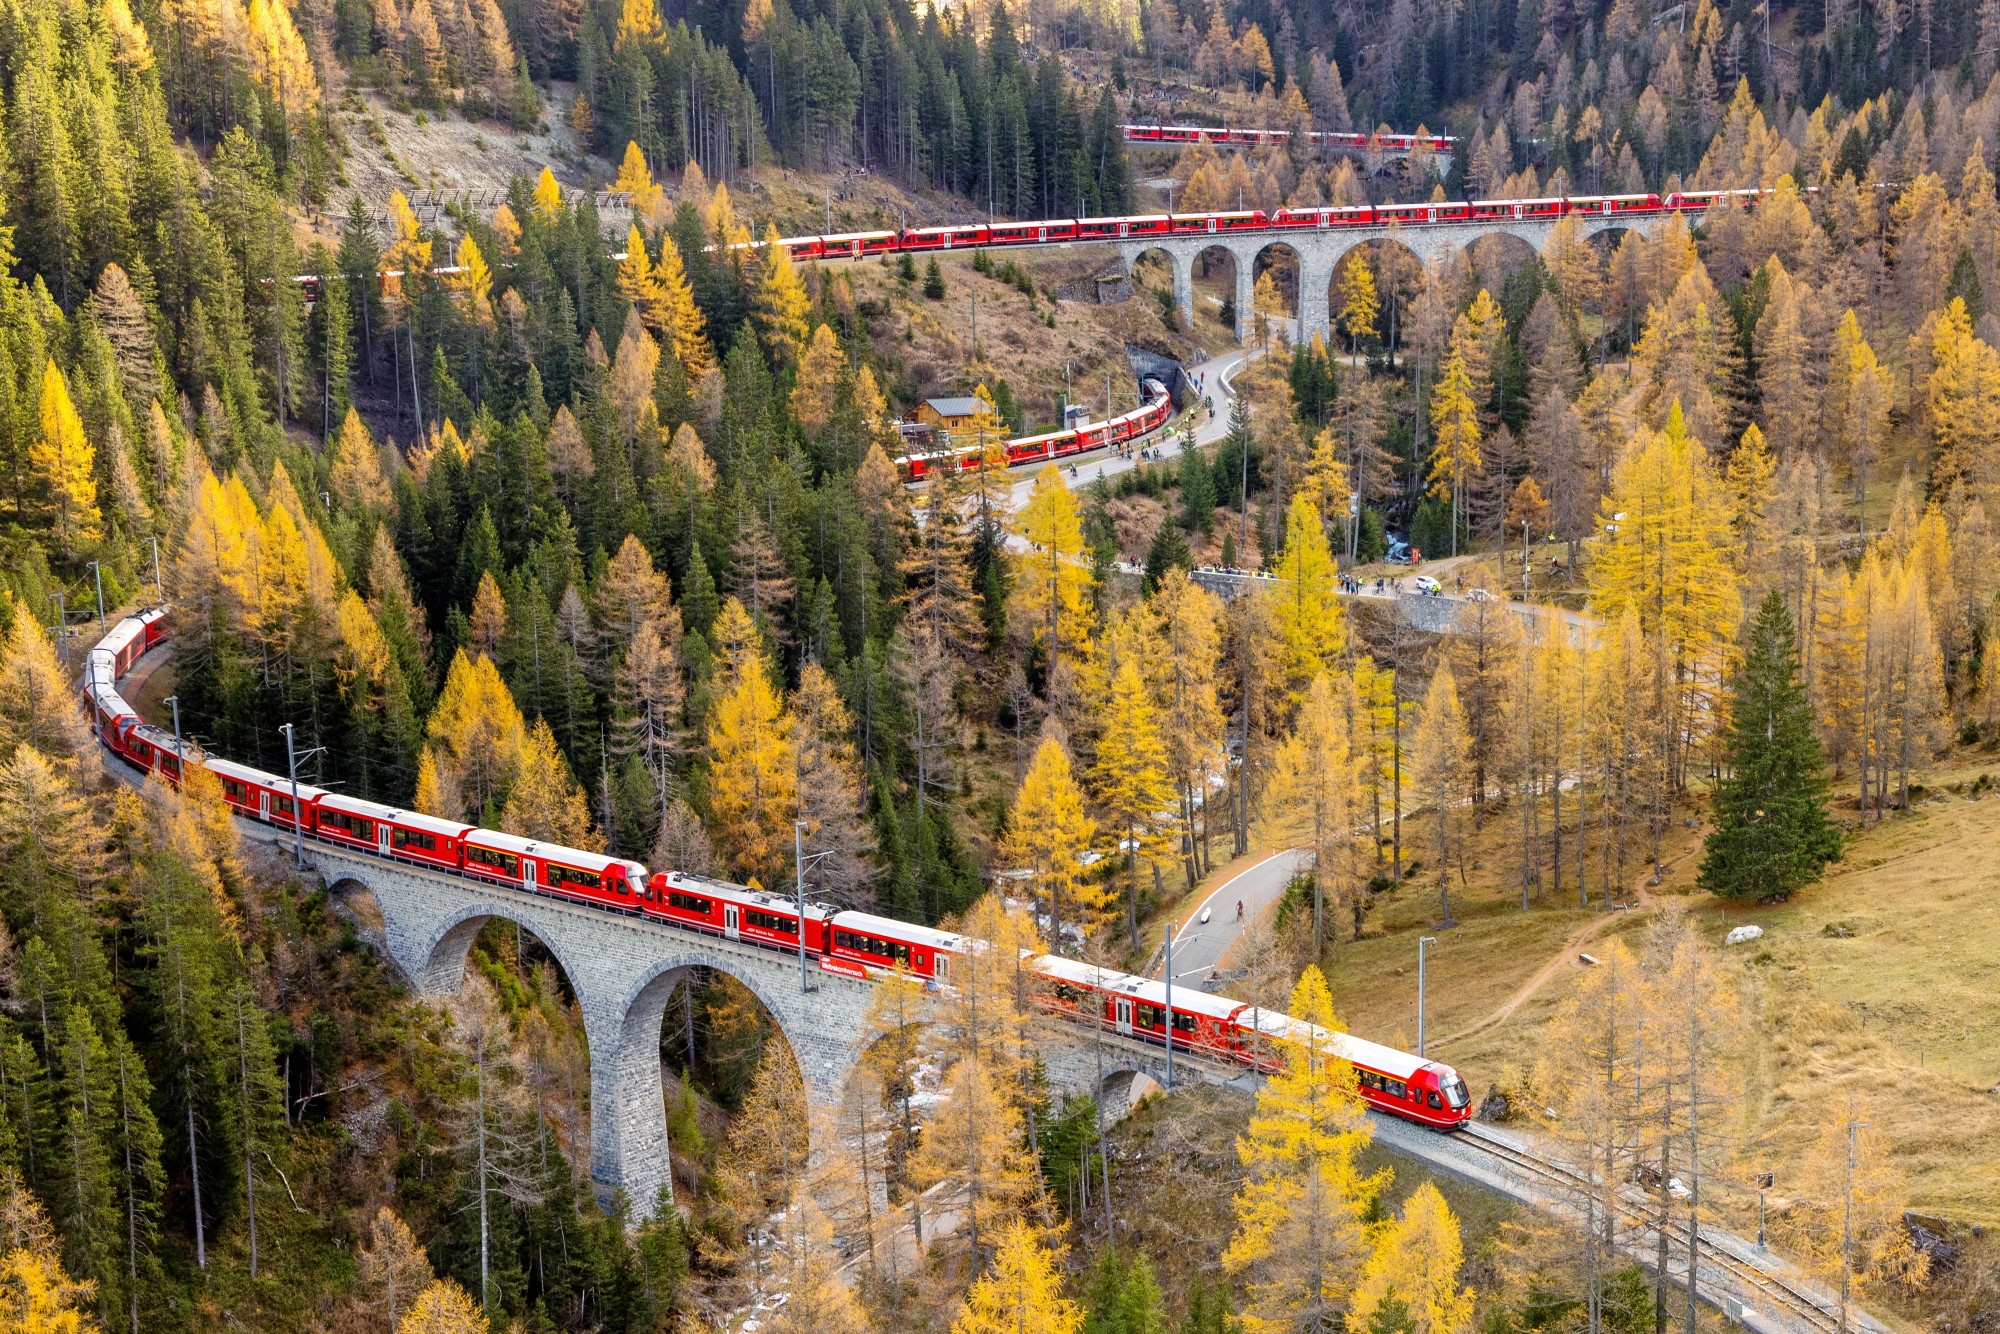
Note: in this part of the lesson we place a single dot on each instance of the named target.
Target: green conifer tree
(1772, 835)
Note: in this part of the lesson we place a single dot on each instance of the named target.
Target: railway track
(1743, 1289)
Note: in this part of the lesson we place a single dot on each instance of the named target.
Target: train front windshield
(1454, 1092)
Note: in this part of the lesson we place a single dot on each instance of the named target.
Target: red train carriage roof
(375, 810)
(1189, 1000)
(243, 773)
(744, 894)
(551, 852)
(948, 941)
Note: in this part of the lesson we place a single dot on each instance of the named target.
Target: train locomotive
(855, 944)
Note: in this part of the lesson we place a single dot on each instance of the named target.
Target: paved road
(1200, 947)
(1215, 374)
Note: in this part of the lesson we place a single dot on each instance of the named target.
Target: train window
(689, 902)
(784, 926)
(1395, 1088)
(1368, 1079)
(411, 838)
(500, 861)
(1149, 1016)
(1068, 994)
(281, 806)
(1184, 1023)
(235, 791)
(569, 875)
(351, 825)
(1434, 1100)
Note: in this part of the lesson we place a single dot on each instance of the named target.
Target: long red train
(855, 944)
(1149, 416)
(1233, 136)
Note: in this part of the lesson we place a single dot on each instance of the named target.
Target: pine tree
(1772, 831)
(1299, 1244)
(753, 762)
(1314, 791)
(63, 460)
(37, 706)
(1047, 830)
(1416, 1262)
(781, 301)
(1311, 622)
(1440, 756)
(1023, 1290)
(545, 802)
(1360, 306)
(1131, 781)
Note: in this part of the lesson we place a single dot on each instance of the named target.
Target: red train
(855, 944)
(1070, 231)
(1143, 420)
(1231, 136)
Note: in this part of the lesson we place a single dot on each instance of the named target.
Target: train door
(731, 927)
(263, 805)
(1123, 1009)
(382, 838)
(941, 967)
(527, 873)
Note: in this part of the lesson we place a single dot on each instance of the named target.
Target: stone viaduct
(623, 970)
(1320, 250)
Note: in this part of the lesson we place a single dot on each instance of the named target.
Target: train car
(392, 832)
(947, 238)
(735, 912)
(1392, 1081)
(1138, 1007)
(883, 944)
(265, 796)
(588, 877)
(153, 749)
(1032, 233)
(855, 245)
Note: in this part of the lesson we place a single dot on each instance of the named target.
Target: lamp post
(1422, 943)
(159, 589)
(97, 572)
(174, 703)
(298, 822)
(1170, 1001)
(799, 863)
(1764, 1182)
(62, 627)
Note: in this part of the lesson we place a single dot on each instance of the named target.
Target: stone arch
(1214, 282)
(1398, 267)
(1179, 277)
(1285, 262)
(628, 1097)
(441, 960)
(1497, 255)
(1123, 1089)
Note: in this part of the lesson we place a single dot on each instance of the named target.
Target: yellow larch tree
(1440, 769)
(1189, 618)
(444, 1308)
(753, 767)
(63, 461)
(1312, 625)
(637, 282)
(683, 327)
(1962, 397)
(394, 1269)
(1300, 1240)
(1416, 1262)
(1326, 483)
(548, 196)
(1845, 1226)
(817, 390)
(1022, 1290)
(1047, 831)
(1360, 305)
(545, 802)
(635, 178)
(1858, 401)
(279, 60)
(488, 621)
(1131, 782)
(1455, 437)
(474, 741)
(781, 302)
(976, 1141)
(408, 253)
(1315, 795)
(37, 1297)
(355, 476)
(1664, 557)
(38, 707)
(1054, 577)
(474, 280)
